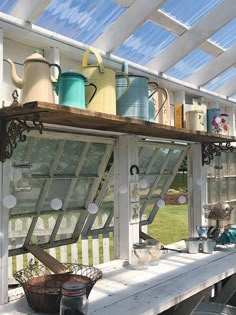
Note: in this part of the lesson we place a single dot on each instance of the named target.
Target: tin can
(213, 120)
(195, 120)
(224, 124)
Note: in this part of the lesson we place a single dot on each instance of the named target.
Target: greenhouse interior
(117, 157)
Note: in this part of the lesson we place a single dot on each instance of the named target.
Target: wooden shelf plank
(74, 117)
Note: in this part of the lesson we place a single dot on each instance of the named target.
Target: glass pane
(43, 154)
(43, 229)
(148, 209)
(145, 155)
(213, 190)
(110, 193)
(102, 217)
(231, 188)
(57, 189)
(20, 151)
(27, 200)
(231, 166)
(93, 160)
(18, 229)
(224, 189)
(173, 160)
(81, 20)
(80, 193)
(70, 158)
(67, 225)
(158, 189)
(160, 158)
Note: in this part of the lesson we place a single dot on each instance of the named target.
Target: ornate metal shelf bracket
(209, 150)
(13, 131)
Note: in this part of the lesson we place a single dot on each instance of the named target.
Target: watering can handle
(96, 54)
(127, 79)
(154, 90)
(95, 90)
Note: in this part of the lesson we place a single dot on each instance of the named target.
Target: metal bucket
(104, 78)
(192, 245)
(134, 102)
(208, 246)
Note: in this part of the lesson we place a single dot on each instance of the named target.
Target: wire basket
(218, 211)
(43, 288)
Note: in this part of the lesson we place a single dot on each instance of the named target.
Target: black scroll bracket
(13, 131)
(210, 150)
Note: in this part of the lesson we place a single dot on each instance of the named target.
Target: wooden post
(4, 214)
(197, 177)
(4, 221)
(54, 58)
(125, 232)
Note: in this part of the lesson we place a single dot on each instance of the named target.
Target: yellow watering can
(105, 80)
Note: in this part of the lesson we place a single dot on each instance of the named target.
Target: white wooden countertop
(150, 292)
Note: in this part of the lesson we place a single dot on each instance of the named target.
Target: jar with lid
(154, 251)
(74, 299)
(140, 256)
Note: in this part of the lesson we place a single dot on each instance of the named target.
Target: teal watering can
(70, 89)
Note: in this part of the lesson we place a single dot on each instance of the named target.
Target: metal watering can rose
(36, 83)
(104, 78)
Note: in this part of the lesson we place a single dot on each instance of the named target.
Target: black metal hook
(134, 167)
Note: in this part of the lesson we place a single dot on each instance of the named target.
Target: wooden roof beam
(228, 89)
(29, 12)
(221, 63)
(174, 26)
(126, 24)
(194, 37)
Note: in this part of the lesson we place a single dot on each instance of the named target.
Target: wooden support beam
(227, 291)
(53, 264)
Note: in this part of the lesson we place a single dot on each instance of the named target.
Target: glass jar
(140, 256)
(154, 252)
(74, 300)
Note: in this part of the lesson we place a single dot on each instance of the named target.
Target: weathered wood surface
(152, 291)
(52, 263)
(74, 117)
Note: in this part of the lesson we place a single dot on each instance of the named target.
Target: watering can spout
(125, 67)
(17, 81)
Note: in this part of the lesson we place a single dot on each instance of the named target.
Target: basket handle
(96, 54)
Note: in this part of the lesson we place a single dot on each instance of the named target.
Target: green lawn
(170, 224)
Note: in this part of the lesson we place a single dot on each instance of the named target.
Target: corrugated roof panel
(188, 65)
(233, 97)
(221, 79)
(226, 36)
(145, 43)
(6, 6)
(189, 12)
(81, 20)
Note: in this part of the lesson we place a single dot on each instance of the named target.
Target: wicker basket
(218, 211)
(43, 289)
